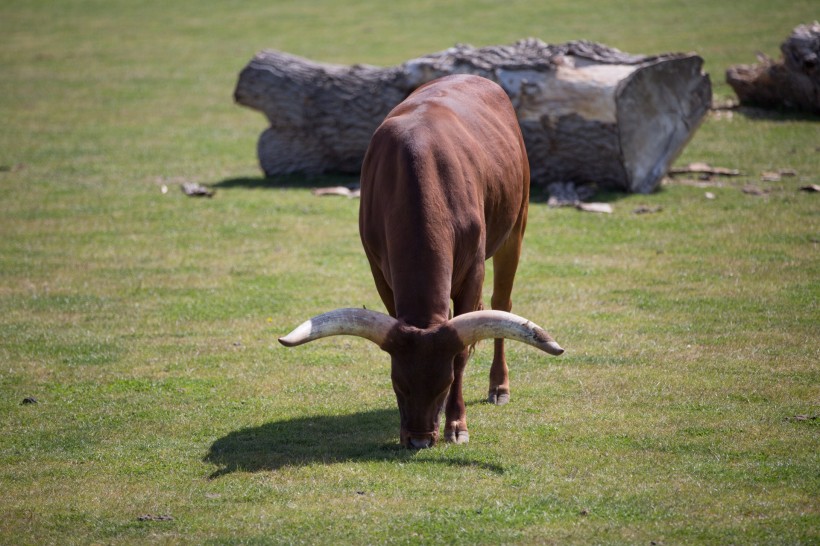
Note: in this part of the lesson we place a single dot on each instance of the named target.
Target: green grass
(145, 323)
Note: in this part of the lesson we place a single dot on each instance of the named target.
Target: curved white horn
(478, 325)
(364, 323)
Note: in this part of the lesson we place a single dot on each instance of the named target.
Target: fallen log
(792, 82)
(589, 113)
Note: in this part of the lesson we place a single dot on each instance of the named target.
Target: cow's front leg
(468, 299)
(455, 412)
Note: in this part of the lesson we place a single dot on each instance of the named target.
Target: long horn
(364, 323)
(478, 325)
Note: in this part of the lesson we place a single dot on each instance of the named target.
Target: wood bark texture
(589, 113)
(793, 82)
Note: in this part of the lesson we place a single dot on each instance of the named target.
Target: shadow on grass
(774, 113)
(324, 439)
(538, 192)
(292, 181)
(540, 195)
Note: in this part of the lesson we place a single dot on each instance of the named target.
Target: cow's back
(444, 180)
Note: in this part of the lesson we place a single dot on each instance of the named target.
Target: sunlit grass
(144, 322)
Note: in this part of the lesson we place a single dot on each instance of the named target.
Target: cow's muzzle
(420, 443)
(418, 440)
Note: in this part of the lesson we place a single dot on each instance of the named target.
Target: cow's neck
(422, 301)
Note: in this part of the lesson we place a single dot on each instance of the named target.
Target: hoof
(457, 437)
(498, 398)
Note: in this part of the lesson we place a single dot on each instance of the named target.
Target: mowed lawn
(144, 322)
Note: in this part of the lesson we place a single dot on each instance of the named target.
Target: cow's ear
(364, 323)
(478, 325)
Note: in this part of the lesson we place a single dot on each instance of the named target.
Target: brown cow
(444, 186)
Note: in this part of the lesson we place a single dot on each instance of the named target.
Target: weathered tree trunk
(589, 113)
(792, 82)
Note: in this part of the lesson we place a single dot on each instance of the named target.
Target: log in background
(589, 113)
(791, 83)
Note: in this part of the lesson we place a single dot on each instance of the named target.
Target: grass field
(144, 323)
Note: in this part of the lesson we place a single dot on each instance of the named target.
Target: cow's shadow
(325, 439)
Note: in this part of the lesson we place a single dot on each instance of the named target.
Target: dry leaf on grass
(151, 517)
(754, 190)
(704, 168)
(337, 190)
(192, 189)
(777, 176)
(645, 209)
(802, 417)
(603, 208)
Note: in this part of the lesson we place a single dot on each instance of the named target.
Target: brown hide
(444, 186)
(444, 181)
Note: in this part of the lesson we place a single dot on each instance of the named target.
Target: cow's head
(422, 359)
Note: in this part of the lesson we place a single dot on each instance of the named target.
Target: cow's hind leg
(505, 264)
